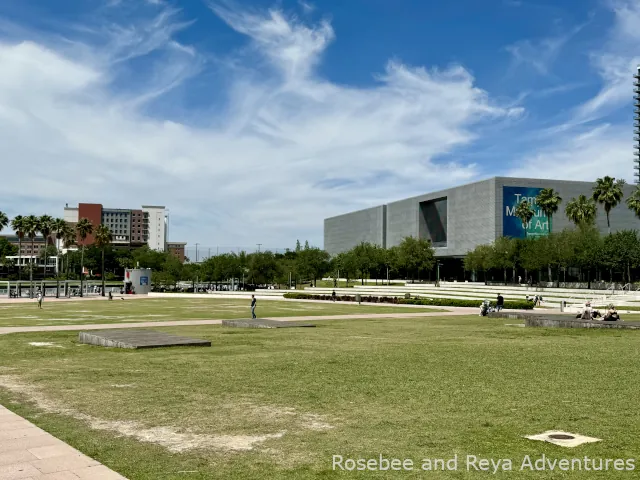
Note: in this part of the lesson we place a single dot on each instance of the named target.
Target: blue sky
(253, 121)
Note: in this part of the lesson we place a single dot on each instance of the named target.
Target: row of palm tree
(30, 226)
(583, 210)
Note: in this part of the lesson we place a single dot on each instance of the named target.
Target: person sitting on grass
(611, 315)
(586, 312)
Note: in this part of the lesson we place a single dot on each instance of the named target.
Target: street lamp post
(438, 264)
(197, 252)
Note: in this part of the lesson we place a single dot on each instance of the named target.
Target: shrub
(434, 302)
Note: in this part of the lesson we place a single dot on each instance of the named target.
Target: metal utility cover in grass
(136, 339)
(263, 323)
(563, 439)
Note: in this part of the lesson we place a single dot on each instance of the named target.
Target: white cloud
(616, 62)
(266, 168)
(589, 145)
(592, 153)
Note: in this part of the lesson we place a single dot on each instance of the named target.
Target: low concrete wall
(562, 321)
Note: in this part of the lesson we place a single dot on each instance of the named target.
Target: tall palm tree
(69, 238)
(525, 213)
(17, 224)
(31, 228)
(84, 228)
(608, 192)
(4, 221)
(59, 226)
(103, 239)
(581, 211)
(633, 202)
(549, 202)
(46, 226)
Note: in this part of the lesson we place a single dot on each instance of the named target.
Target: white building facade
(155, 224)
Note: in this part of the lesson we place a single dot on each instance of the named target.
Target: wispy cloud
(540, 54)
(267, 167)
(615, 62)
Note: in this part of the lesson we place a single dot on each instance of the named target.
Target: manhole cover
(560, 436)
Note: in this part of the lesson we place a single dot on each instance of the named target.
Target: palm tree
(84, 228)
(633, 202)
(581, 211)
(69, 238)
(4, 221)
(549, 202)
(17, 224)
(31, 228)
(525, 213)
(608, 192)
(46, 224)
(103, 239)
(59, 226)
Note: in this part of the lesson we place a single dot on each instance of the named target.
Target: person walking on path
(39, 298)
(253, 306)
(500, 303)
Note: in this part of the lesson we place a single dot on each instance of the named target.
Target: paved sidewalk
(29, 453)
(178, 323)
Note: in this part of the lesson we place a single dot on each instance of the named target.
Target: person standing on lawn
(39, 298)
(253, 306)
(500, 303)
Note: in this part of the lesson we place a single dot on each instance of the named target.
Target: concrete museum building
(459, 219)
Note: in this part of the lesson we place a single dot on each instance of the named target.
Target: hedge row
(434, 302)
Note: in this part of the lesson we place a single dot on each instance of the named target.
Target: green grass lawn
(165, 309)
(404, 388)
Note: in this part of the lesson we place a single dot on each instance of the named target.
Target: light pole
(197, 252)
(438, 264)
(259, 245)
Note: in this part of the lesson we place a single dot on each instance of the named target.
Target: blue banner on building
(512, 226)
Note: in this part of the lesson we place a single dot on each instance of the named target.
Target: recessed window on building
(433, 221)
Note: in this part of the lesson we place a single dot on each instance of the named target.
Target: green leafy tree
(416, 255)
(17, 224)
(31, 231)
(312, 262)
(549, 202)
(103, 239)
(622, 251)
(263, 267)
(4, 221)
(608, 192)
(479, 260)
(503, 255)
(84, 228)
(525, 213)
(366, 259)
(7, 249)
(633, 202)
(581, 211)
(46, 225)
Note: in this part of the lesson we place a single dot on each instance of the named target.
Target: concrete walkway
(29, 453)
(178, 323)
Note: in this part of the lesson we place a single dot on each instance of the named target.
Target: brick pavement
(29, 453)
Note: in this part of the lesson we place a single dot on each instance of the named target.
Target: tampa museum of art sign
(512, 226)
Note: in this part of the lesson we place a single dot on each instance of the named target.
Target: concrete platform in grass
(562, 320)
(136, 339)
(263, 323)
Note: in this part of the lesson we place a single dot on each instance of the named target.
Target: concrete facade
(473, 215)
(344, 232)
(155, 224)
